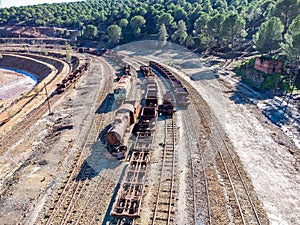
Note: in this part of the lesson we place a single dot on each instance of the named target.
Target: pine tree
(163, 34)
(268, 36)
(180, 34)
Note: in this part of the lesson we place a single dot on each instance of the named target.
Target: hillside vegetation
(213, 25)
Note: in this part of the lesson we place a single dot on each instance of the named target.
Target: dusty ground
(32, 99)
(31, 171)
(269, 156)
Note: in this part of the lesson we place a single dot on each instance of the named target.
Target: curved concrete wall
(58, 64)
(30, 65)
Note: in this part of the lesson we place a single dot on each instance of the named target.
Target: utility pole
(47, 99)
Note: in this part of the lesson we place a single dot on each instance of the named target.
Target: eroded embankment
(48, 70)
(30, 65)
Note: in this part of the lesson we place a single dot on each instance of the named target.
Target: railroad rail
(200, 188)
(74, 186)
(73, 200)
(19, 130)
(128, 201)
(164, 206)
(247, 210)
(244, 210)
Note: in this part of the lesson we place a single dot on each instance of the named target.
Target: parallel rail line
(165, 203)
(73, 187)
(200, 186)
(246, 208)
(78, 184)
(19, 130)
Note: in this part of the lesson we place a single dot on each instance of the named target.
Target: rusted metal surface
(122, 88)
(129, 197)
(148, 119)
(151, 95)
(147, 71)
(132, 188)
(143, 142)
(168, 107)
(164, 209)
(181, 93)
(125, 116)
(71, 78)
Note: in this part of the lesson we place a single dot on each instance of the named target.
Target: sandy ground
(270, 163)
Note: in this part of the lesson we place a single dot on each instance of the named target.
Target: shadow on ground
(98, 160)
(106, 105)
(274, 108)
(108, 219)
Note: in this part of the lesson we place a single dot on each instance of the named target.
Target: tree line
(196, 24)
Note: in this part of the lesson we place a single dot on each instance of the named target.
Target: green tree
(214, 27)
(268, 36)
(190, 43)
(163, 34)
(114, 33)
(101, 17)
(68, 52)
(201, 23)
(287, 10)
(291, 46)
(295, 26)
(180, 14)
(180, 34)
(90, 31)
(166, 19)
(220, 4)
(207, 7)
(123, 23)
(136, 23)
(233, 28)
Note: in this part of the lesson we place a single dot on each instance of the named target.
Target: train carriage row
(129, 197)
(181, 93)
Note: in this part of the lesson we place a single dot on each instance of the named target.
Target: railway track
(201, 205)
(21, 129)
(244, 207)
(165, 199)
(83, 185)
(247, 210)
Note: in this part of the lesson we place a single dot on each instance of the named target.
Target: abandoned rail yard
(132, 135)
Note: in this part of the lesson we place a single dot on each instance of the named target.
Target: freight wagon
(122, 89)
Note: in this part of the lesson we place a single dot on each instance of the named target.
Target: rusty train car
(129, 197)
(168, 106)
(91, 51)
(125, 117)
(71, 78)
(127, 70)
(181, 93)
(122, 89)
(147, 71)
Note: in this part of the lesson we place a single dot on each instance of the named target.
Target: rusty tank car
(125, 117)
